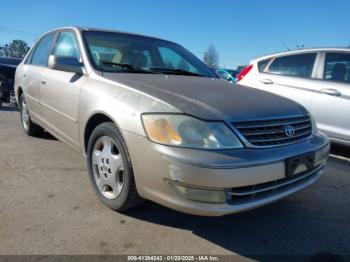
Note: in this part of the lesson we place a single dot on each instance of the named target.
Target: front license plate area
(299, 164)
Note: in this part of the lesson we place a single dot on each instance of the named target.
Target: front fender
(122, 104)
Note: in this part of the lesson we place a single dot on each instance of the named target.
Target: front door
(59, 92)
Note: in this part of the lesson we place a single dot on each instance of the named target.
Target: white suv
(319, 79)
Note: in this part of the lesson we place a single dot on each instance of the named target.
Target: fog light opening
(198, 194)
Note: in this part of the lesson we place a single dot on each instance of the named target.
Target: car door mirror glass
(65, 63)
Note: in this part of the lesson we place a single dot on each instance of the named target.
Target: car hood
(210, 98)
(10, 61)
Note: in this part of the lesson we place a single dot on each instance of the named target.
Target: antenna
(284, 44)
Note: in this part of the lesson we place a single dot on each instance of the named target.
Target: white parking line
(340, 157)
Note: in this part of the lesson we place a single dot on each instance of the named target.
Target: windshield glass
(120, 52)
(223, 74)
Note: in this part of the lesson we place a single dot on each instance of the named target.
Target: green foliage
(17, 48)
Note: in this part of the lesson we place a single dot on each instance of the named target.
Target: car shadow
(46, 135)
(277, 229)
(252, 234)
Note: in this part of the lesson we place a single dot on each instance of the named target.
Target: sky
(240, 30)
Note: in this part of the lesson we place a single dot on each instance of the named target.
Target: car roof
(81, 29)
(304, 50)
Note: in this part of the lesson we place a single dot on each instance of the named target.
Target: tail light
(244, 72)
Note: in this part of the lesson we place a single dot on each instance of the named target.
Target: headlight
(186, 131)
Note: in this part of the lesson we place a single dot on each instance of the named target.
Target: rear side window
(294, 65)
(66, 45)
(262, 64)
(337, 67)
(42, 51)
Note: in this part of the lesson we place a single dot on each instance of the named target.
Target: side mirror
(65, 63)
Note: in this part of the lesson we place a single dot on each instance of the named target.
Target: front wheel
(29, 127)
(110, 168)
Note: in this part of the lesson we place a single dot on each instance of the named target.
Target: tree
(211, 57)
(6, 50)
(17, 48)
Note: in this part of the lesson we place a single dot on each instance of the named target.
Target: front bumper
(157, 166)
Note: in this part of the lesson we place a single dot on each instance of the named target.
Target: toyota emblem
(289, 130)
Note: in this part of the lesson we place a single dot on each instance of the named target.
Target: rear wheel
(110, 168)
(29, 127)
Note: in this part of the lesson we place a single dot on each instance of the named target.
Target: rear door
(59, 93)
(290, 76)
(331, 104)
(32, 70)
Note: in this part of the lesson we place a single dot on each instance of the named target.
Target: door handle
(24, 76)
(43, 82)
(266, 81)
(331, 92)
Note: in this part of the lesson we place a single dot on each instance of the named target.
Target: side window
(293, 65)
(42, 51)
(337, 67)
(66, 45)
(262, 64)
(30, 56)
(173, 60)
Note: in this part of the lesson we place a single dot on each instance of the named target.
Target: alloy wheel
(108, 167)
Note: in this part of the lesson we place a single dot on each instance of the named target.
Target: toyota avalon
(155, 123)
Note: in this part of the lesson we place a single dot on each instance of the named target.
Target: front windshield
(223, 74)
(120, 52)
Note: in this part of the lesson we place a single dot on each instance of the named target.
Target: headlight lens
(186, 131)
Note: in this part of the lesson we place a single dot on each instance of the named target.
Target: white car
(318, 78)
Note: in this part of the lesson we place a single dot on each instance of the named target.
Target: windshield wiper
(176, 71)
(152, 70)
(129, 68)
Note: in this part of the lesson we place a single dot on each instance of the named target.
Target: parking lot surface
(47, 206)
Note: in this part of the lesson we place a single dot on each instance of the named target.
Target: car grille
(246, 194)
(271, 132)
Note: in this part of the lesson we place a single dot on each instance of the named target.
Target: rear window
(262, 64)
(337, 67)
(293, 65)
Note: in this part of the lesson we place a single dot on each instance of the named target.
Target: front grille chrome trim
(263, 133)
(276, 184)
(272, 124)
(273, 189)
(278, 139)
(276, 131)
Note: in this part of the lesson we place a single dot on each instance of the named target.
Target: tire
(29, 127)
(110, 168)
